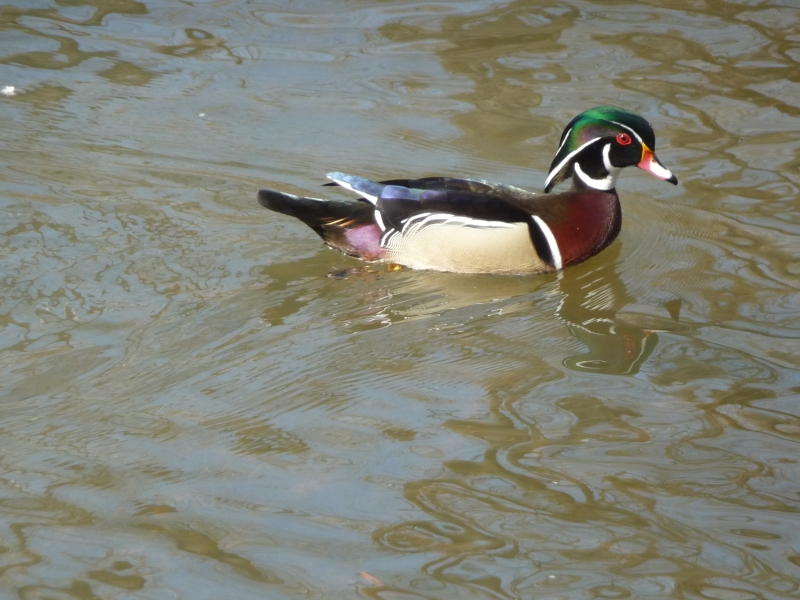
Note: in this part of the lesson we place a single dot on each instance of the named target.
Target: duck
(473, 226)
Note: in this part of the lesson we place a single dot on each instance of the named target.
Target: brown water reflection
(192, 407)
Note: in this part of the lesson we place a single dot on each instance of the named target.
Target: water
(199, 400)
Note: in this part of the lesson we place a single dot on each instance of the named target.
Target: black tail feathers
(316, 212)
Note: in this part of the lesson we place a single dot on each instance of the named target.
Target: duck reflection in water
(618, 334)
(600, 312)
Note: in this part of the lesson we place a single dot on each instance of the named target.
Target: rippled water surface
(199, 400)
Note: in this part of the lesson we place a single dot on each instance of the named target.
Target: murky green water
(193, 408)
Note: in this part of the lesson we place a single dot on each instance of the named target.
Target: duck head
(598, 143)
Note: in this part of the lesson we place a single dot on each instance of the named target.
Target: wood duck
(469, 226)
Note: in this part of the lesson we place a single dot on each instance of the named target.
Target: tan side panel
(457, 248)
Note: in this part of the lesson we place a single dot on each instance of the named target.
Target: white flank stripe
(551, 241)
(386, 238)
(567, 158)
(379, 220)
(470, 222)
(604, 184)
(417, 222)
(408, 220)
(415, 225)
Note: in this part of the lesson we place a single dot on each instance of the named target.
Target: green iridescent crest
(601, 121)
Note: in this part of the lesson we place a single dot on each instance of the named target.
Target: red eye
(624, 139)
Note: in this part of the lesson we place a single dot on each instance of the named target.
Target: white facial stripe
(551, 241)
(564, 141)
(638, 137)
(369, 197)
(567, 158)
(605, 184)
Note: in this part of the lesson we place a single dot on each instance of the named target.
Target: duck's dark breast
(584, 224)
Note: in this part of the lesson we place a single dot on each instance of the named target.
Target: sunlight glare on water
(200, 400)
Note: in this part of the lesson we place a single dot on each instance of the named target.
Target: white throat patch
(612, 170)
(604, 184)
